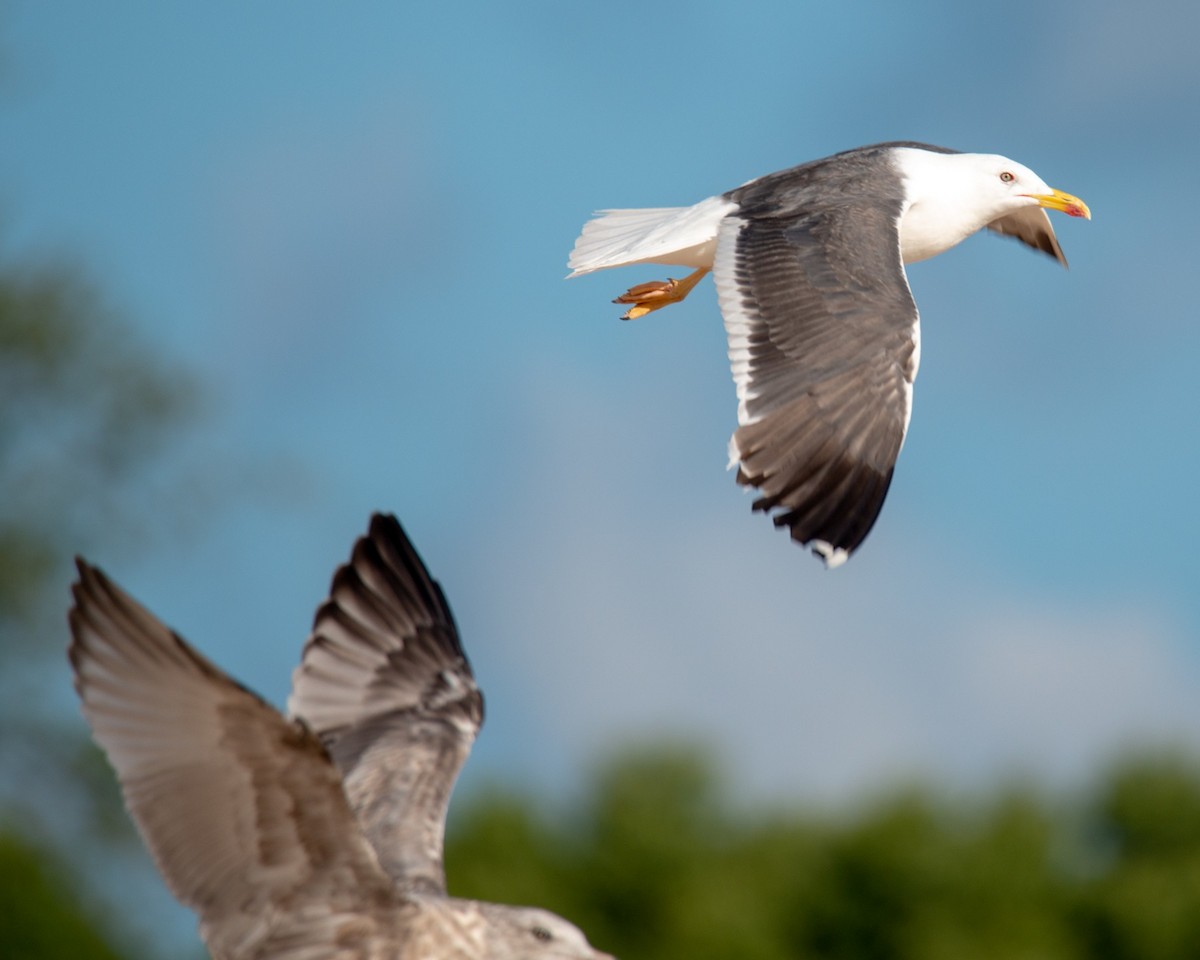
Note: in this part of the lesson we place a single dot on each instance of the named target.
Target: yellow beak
(1057, 200)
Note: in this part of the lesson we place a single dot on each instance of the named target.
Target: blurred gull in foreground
(316, 837)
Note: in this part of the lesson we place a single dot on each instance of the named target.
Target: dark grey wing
(385, 684)
(241, 809)
(1031, 225)
(823, 341)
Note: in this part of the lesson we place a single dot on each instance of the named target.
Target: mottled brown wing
(241, 808)
(385, 684)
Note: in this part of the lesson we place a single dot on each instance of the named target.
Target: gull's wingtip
(832, 556)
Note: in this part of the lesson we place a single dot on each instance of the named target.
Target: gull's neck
(943, 205)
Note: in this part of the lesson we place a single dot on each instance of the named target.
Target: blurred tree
(42, 916)
(1144, 899)
(655, 863)
(86, 413)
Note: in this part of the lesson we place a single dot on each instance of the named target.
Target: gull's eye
(1007, 177)
(542, 934)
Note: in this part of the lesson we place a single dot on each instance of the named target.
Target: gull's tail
(683, 236)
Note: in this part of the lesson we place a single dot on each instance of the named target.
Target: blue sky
(352, 222)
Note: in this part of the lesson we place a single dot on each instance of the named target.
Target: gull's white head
(949, 196)
(1011, 186)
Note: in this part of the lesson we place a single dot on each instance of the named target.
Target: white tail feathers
(683, 236)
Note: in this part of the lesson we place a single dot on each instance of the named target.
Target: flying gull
(824, 337)
(317, 836)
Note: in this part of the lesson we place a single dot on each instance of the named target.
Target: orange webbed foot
(656, 294)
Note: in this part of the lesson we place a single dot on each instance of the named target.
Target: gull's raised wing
(384, 683)
(242, 809)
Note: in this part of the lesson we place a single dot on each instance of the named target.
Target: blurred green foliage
(42, 915)
(656, 864)
(86, 413)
